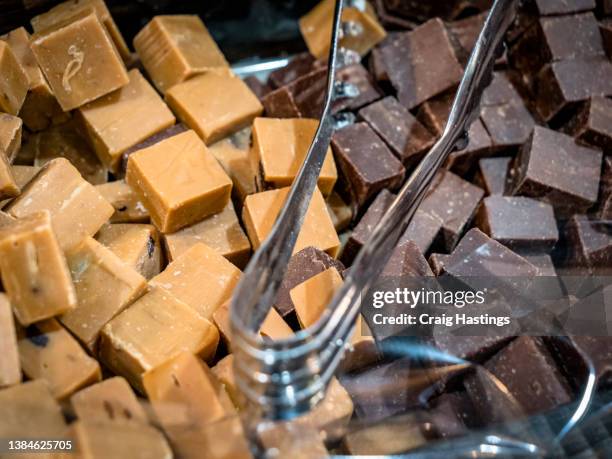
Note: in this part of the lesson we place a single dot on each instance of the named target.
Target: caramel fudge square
(215, 104)
(179, 181)
(79, 60)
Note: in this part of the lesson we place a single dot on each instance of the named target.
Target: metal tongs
(282, 379)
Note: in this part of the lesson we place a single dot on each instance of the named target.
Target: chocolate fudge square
(511, 220)
(552, 167)
(589, 243)
(592, 124)
(604, 207)
(492, 174)
(366, 163)
(414, 74)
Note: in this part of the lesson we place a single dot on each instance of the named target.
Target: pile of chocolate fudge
(136, 181)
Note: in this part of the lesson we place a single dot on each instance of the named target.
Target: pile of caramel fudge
(136, 181)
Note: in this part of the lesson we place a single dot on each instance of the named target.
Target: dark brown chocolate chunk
(552, 167)
(466, 31)
(605, 27)
(479, 255)
(479, 145)
(518, 222)
(437, 262)
(592, 124)
(412, 72)
(422, 230)
(589, 243)
(455, 202)
(259, 89)
(500, 91)
(561, 85)
(302, 266)
(597, 348)
(300, 65)
(402, 132)
(548, 40)
(604, 208)
(544, 264)
(407, 260)
(509, 125)
(366, 163)
(553, 7)
(434, 112)
(280, 104)
(452, 413)
(155, 138)
(358, 76)
(492, 174)
(527, 373)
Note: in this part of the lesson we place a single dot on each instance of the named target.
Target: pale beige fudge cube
(97, 440)
(316, 29)
(10, 135)
(47, 351)
(221, 232)
(137, 245)
(174, 48)
(13, 81)
(111, 400)
(34, 270)
(69, 8)
(104, 286)
(40, 107)
(79, 60)
(10, 369)
(124, 118)
(154, 329)
(261, 210)
(184, 393)
(65, 141)
(178, 181)
(273, 327)
(233, 153)
(293, 440)
(8, 184)
(29, 410)
(280, 147)
(22, 176)
(214, 105)
(128, 208)
(77, 208)
(201, 278)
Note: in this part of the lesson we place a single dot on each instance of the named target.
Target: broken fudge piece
(8, 184)
(295, 441)
(10, 369)
(261, 210)
(221, 232)
(77, 209)
(10, 136)
(589, 243)
(214, 105)
(67, 9)
(79, 59)
(34, 270)
(528, 373)
(403, 133)
(185, 393)
(154, 329)
(201, 278)
(124, 118)
(363, 32)
(591, 124)
(14, 82)
(47, 351)
(406, 260)
(367, 164)
(174, 48)
(280, 147)
(302, 266)
(437, 262)
(414, 76)
(111, 400)
(40, 107)
(104, 287)
(137, 245)
(553, 168)
(492, 174)
(128, 208)
(510, 220)
(178, 181)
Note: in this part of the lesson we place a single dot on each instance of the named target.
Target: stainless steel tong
(285, 378)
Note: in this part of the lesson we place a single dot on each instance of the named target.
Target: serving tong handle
(284, 378)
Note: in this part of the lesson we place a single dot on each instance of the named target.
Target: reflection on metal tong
(285, 378)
